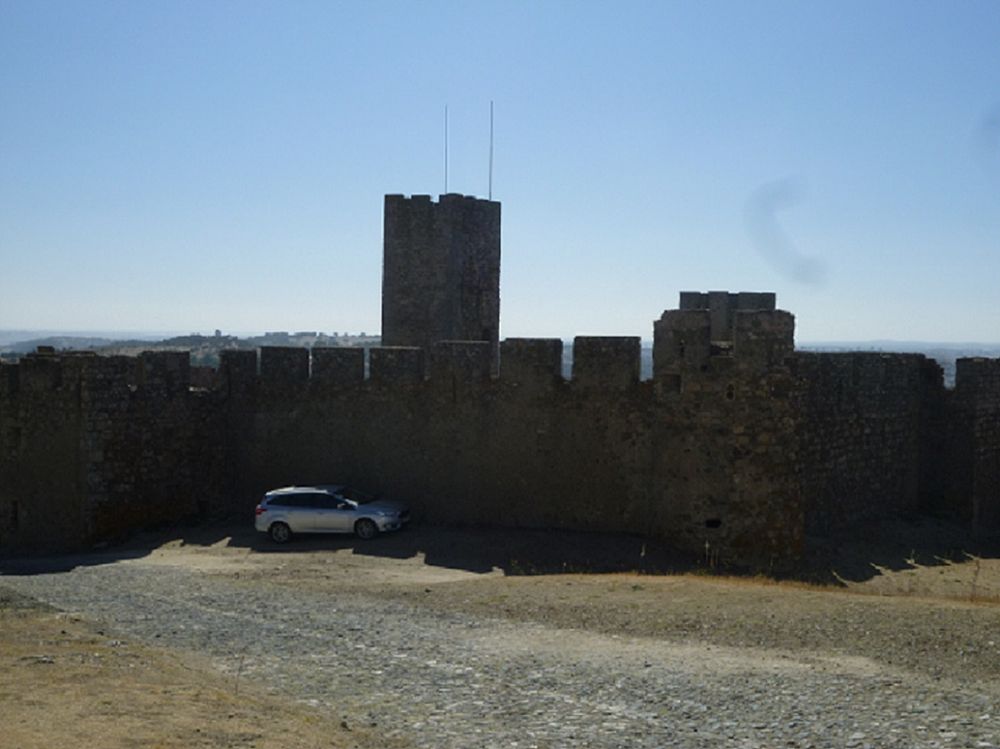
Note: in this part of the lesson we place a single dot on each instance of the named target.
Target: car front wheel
(280, 533)
(365, 529)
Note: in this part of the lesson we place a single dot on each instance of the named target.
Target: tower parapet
(719, 330)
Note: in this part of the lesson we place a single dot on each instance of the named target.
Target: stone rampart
(606, 361)
(95, 447)
(868, 424)
(736, 449)
(974, 440)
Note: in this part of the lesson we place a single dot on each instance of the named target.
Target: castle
(738, 444)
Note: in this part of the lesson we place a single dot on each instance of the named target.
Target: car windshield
(356, 496)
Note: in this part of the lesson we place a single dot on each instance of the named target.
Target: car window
(301, 500)
(354, 494)
(327, 502)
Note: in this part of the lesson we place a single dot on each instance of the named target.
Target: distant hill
(75, 343)
(204, 348)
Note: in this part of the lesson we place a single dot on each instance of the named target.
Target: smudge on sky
(770, 239)
(987, 138)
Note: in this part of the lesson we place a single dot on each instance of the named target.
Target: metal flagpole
(491, 151)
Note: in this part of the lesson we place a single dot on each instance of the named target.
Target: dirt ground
(65, 682)
(919, 596)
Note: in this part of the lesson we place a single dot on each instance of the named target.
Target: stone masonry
(441, 271)
(739, 447)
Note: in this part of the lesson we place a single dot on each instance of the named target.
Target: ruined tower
(441, 271)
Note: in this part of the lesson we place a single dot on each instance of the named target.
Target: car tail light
(260, 510)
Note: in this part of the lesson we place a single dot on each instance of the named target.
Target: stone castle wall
(739, 447)
(92, 448)
(869, 422)
(973, 484)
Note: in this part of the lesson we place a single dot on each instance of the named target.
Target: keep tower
(441, 271)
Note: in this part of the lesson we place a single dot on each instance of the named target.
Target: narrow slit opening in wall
(730, 392)
(14, 512)
(713, 523)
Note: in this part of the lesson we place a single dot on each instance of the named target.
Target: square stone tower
(441, 271)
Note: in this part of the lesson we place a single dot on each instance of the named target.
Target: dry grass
(64, 683)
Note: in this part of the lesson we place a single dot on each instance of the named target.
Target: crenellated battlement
(977, 376)
(531, 364)
(722, 307)
(606, 361)
(460, 362)
(167, 371)
(396, 365)
(738, 447)
(283, 366)
(716, 338)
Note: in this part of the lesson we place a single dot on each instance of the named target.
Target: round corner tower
(441, 271)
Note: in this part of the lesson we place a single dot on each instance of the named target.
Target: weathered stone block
(765, 338)
(534, 363)
(164, 370)
(398, 365)
(237, 369)
(606, 361)
(338, 367)
(40, 373)
(284, 365)
(9, 378)
(460, 361)
(756, 300)
(681, 342)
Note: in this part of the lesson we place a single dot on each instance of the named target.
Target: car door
(300, 510)
(333, 514)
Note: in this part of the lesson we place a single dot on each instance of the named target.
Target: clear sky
(186, 166)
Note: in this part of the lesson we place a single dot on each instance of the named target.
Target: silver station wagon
(326, 508)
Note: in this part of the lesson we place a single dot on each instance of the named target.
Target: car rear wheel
(280, 533)
(365, 529)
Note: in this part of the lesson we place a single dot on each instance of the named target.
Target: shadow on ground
(837, 559)
(892, 544)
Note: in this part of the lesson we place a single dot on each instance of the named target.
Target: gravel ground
(436, 676)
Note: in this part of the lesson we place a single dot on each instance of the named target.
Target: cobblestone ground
(454, 679)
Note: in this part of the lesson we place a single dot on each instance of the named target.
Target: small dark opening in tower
(14, 515)
(680, 351)
(713, 523)
(730, 392)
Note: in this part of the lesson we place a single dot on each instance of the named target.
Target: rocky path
(434, 678)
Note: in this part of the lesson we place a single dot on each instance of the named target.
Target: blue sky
(186, 166)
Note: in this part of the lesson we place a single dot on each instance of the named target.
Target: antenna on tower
(490, 192)
(445, 149)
